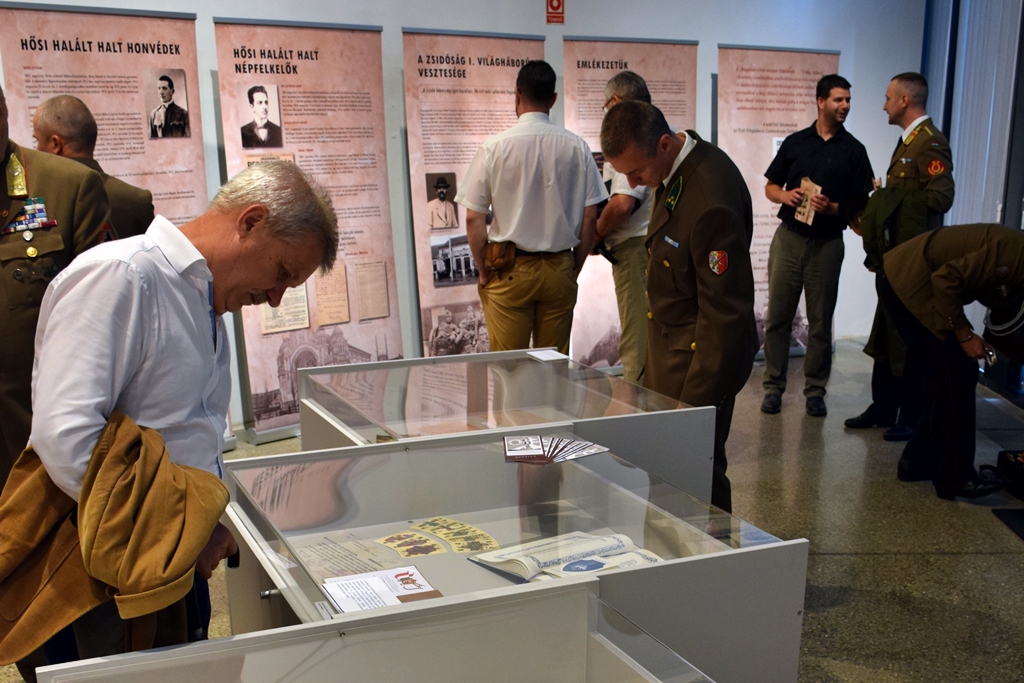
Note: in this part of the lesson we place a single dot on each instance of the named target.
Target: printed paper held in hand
(804, 212)
(530, 559)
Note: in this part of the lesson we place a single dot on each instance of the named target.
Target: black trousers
(944, 442)
(899, 399)
(721, 488)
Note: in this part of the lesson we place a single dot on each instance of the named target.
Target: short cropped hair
(536, 82)
(627, 85)
(255, 89)
(170, 83)
(915, 85)
(827, 83)
(68, 117)
(632, 123)
(298, 207)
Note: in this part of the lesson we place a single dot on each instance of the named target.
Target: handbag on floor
(1010, 470)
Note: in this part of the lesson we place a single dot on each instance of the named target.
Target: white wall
(877, 39)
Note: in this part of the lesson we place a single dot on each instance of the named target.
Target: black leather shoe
(869, 418)
(908, 471)
(976, 488)
(898, 432)
(816, 406)
(771, 404)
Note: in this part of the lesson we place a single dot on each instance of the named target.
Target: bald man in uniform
(64, 126)
(51, 210)
(701, 333)
(922, 168)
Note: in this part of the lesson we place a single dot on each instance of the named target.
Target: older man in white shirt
(136, 326)
(544, 187)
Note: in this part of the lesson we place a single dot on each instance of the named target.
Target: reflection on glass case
(450, 521)
(565, 635)
(403, 400)
(504, 392)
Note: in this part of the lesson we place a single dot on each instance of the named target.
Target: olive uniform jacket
(702, 336)
(924, 163)
(923, 168)
(131, 208)
(936, 274)
(134, 536)
(77, 217)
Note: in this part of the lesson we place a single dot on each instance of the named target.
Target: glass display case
(356, 405)
(434, 510)
(563, 634)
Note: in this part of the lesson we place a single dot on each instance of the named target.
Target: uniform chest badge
(673, 195)
(936, 167)
(718, 261)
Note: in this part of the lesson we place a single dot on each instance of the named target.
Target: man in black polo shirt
(808, 256)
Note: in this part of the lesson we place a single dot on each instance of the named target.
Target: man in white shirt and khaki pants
(544, 187)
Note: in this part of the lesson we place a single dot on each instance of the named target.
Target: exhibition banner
(313, 95)
(138, 76)
(764, 95)
(670, 69)
(459, 91)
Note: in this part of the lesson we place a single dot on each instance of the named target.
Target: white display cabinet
(726, 596)
(503, 392)
(545, 633)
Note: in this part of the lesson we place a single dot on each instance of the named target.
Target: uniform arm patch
(718, 261)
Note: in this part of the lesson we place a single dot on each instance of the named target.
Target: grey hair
(627, 85)
(68, 117)
(298, 207)
(632, 123)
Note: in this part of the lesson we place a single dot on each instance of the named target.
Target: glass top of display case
(569, 635)
(452, 518)
(407, 399)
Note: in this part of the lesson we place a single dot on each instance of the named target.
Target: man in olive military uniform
(919, 175)
(702, 336)
(51, 210)
(927, 282)
(64, 126)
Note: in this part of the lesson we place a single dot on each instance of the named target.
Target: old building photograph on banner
(459, 91)
(670, 70)
(136, 74)
(314, 96)
(764, 95)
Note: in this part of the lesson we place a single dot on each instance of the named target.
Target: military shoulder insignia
(107, 234)
(936, 167)
(718, 260)
(17, 186)
(910, 138)
(673, 195)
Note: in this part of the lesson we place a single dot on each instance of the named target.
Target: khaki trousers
(535, 298)
(630, 276)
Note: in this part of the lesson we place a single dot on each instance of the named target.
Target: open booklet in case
(566, 555)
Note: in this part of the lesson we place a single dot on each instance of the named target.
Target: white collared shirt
(539, 178)
(635, 224)
(128, 326)
(688, 145)
(910, 129)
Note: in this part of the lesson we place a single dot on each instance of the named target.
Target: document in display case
(405, 524)
(502, 392)
(553, 633)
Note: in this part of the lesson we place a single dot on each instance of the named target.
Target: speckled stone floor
(902, 587)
